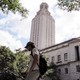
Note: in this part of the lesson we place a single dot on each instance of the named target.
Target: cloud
(14, 24)
(21, 28)
(13, 30)
(67, 25)
(6, 39)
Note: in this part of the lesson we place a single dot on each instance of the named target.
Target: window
(59, 71)
(77, 52)
(78, 68)
(66, 70)
(65, 56)
(52, 59)
(59, 58)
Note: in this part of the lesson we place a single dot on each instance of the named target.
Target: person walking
(33, 72)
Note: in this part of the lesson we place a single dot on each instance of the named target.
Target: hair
(32, 45)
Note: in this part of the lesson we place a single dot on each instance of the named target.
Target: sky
(15, 31)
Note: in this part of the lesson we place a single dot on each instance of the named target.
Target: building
(65, 55)
(43, 28)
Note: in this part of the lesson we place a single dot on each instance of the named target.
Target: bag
(42, 65)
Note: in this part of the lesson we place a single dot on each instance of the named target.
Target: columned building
(43, 28)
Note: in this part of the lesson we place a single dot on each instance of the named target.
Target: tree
(6, 64)
(6, 59)
(12, 65)
(52, 72)
(13, 6)
(21, 64)
(69, 5)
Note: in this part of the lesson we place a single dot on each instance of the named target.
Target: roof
(73, 40)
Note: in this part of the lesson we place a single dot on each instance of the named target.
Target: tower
(43, 28)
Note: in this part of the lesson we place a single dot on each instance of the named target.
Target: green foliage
(21, 63)
(52, 71)
(6, 59)
(13, 6)
(69, 5)
(16, 63)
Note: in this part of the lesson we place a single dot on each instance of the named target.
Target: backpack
(42, 65)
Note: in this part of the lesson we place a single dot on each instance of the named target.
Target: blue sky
(15, 33)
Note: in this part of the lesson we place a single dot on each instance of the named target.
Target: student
(33, 73)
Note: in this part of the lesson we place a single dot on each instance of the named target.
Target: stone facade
(66, 56)
(43, 28)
